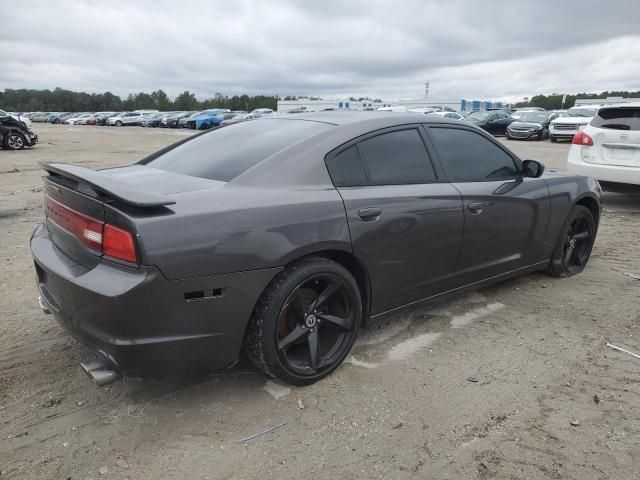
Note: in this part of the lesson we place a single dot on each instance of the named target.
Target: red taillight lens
(99, 236)
(583, 139)
(87, 229)
(118, 243)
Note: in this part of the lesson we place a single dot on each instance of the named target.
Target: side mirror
(532, 169)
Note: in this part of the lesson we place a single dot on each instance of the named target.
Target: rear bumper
(139, 322)
(601, 172)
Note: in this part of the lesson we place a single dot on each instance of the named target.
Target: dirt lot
(512, 381)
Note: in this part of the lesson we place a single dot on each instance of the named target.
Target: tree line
(554, 101)
(61, 100)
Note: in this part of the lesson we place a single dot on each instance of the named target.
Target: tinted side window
(396, 157)
(468, 156)
(346, 168)
(618, 118)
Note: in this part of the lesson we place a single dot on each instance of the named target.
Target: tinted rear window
(226, 152)
(618, 118)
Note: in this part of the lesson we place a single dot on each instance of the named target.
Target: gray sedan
(285, 235)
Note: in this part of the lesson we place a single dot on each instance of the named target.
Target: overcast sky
(466, 49)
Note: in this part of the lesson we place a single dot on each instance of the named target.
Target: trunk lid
(79, 200)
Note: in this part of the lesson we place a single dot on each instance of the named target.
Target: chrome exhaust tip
(43, 306)
(99, 372)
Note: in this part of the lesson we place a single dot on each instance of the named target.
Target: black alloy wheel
(575, 244)
(306, 322)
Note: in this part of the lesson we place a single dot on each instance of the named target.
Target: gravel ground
(511, 381)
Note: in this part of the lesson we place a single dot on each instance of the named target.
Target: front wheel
(306, 322)
(553, 139)
(14, 141)
(573, 247)
(118, 123)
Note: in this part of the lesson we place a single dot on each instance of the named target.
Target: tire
(14, 141)
(507, 136)
(553, 139)
(574, 245)
(118, 123)
(314, 304)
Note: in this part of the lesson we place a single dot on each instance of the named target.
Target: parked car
(38, 117)
(207, 119)
(289, 243)
(608, 149)
(447, 114)
(15, 134)
(77, 119)
(238, 117)
(153, 119)
(126, 119)
(171, 121)
(61, 117)
(532, 124)
(494, 122)
(101, 118)
(574, 120)
(262, 111)
(184, 122)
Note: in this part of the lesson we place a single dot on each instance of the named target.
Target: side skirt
(471, 286)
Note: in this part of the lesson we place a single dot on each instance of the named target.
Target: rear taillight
(583, 139)
(118, 243)
(99, 236)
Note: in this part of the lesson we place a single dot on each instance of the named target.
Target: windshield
(536, 117)
(582, 112)
(478, 115)
(224, 153)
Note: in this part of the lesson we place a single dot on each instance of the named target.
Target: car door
(405, 220)
(505, 213)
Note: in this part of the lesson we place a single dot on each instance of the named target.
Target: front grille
(565, 126)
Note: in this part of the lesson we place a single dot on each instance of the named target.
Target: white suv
(608, 149)
(571, 122)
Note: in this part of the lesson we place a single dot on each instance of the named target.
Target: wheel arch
(592, 205)
(359, 271)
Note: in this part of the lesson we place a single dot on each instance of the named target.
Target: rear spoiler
(108, 185)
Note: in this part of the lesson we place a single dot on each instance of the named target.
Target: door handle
(476, 207)
(369, 214)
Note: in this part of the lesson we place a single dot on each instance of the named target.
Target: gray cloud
(497, 49)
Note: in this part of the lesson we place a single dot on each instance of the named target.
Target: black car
(494, 122)
(531, 125)
(287, 244)
(153, 120)
(15, 135)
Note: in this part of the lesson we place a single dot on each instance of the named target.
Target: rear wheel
(305, 322)
(14, 141)
(574, 245)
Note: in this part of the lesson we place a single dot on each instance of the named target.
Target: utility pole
(426, 89)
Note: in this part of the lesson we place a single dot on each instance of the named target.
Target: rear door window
(396, 157)
(391, 158)
(618, 118)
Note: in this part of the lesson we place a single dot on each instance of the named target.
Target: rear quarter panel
(240, 228)
(565, 190)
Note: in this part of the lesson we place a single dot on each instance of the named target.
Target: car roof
(375, 119)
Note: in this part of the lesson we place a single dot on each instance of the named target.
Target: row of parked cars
(198, 120)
